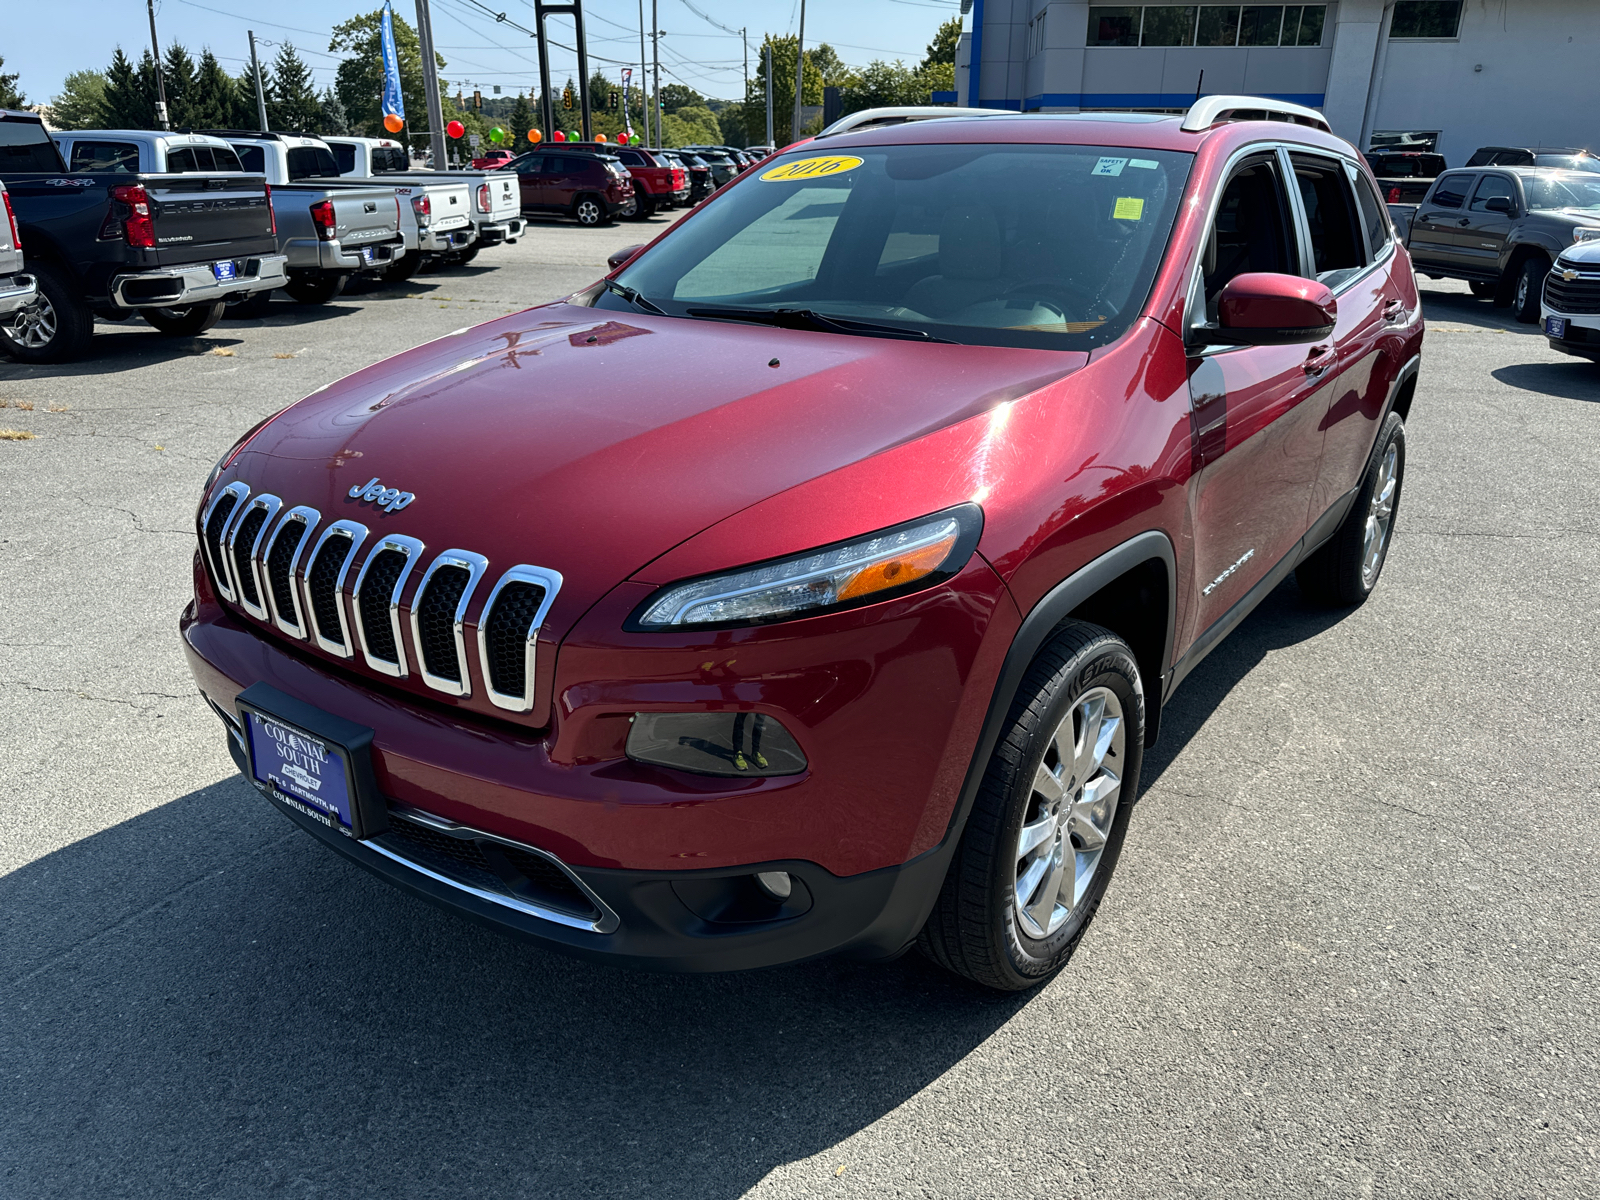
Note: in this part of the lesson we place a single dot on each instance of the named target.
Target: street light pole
(766, 52)
(255, 69)
(799, 73)
(430, 84)
(644, 77)
(655, 47)
(161, 84)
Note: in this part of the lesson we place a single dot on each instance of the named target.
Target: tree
(81, 105)
(333, 119)
(129, 101)
(293, 104)
(519, 122)
(675, 96)
(10, 95)
(784, 53)
(359, 80)
(730, 117)
(247, 113)
(943, 47)
(214, 101)
(177, 71)
(693, 125)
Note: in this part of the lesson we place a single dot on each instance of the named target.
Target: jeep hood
(591, 442)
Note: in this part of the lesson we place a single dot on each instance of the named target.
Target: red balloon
(558, 136)
(622, 139)
(455, 129)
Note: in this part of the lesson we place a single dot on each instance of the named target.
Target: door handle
(1320, 359)
(1464, 221)
(1394, 311)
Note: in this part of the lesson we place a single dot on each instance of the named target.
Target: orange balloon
(393, 123)
(535, 136)
(599, 137)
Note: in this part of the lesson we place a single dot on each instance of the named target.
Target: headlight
(1585, 235)
(864, 570)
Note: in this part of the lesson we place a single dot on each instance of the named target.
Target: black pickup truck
(173, 248)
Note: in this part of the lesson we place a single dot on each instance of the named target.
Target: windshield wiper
(632, 296)
(807, 318)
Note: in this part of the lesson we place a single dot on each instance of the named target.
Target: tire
(404, 269)
(1482, 290)
(256, 304)
(1344, 571)
(470, 253)
(1529, 288)
(643, 207)
(315, 289)
(999, 919)
(589, 211)
(188, 321)
(56, 327)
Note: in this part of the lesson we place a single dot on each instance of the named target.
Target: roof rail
(870, 117)
(259, 134)
(1212, 110)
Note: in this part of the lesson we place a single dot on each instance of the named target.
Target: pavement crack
(33, 687)
(142, 528)
(1544, 535)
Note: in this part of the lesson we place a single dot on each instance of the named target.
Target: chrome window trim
(221, 576)
(271, 503)
(412, 549)
(307, 516)
(475, 565)
(607, 922)
(521, 573)
(357, 533)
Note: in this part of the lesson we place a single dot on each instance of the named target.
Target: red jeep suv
(851, 634)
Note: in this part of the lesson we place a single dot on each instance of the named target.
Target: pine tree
(333, 120)
(10, 95)
(177, 69)
(247, 113)
(214, 98)
(128, 102)
(943, 47)
(519, 122)
(81, 104)
(293, 105)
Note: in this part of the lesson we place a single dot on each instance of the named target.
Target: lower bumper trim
(197, 283)
(17, 292)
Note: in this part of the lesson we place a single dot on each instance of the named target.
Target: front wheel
(1346, 569)
(589, 211)
(315, 289)
(643, 207)
(56, 327)
(1049, 819)
(185, 322)
(1530, 286)
(1482, 290)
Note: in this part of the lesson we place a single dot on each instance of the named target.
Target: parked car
(590, 187)
(493, 205)
(854, 638)
(761, 152)
(173, 248)
(493, 160)
(1500, 229)
(1567, 158)
(330, 229)
(701, 184)
(1404, 176)
(658, 182)
(1569, 310)
(723, 167)
(16, 288)
(132, 151)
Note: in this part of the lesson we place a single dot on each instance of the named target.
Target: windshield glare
(1569, 189)
(1014, 245)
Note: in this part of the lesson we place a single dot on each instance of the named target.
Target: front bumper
(17, 291)
(501, 231)
(1582, 338)
(196, 283)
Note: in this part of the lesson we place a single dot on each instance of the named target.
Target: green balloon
(497, 134)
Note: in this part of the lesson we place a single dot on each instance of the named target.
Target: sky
(480, 51)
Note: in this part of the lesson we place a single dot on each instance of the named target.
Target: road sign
(474, 140)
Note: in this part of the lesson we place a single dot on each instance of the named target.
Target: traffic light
(566, 98)
(616, 101)
(477, 99)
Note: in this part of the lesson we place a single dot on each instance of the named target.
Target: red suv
(854, 637)
(658, 183)
(591, 188)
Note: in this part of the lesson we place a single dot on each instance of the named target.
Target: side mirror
(621, 256)
(1264, 309)
(1499, 204)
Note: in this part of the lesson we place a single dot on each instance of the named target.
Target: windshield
(1570, 189)
(1572, 162)
(1012, 245)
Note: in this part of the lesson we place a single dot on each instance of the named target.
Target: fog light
(776, 884)
(731, 744)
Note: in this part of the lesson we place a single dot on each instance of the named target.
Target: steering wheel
(1066, 298)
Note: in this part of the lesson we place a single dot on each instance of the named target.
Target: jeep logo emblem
(387, 498)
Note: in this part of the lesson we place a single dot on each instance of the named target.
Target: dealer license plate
(366, 254)
(223, 271)
(306, 772)
(1555, 327)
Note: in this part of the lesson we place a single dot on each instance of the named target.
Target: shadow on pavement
(203, 1001)
(1463, 308)
(1575, 379)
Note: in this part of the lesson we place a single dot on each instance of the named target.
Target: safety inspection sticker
(1129, 208)
(811, 168)
(1109, 166)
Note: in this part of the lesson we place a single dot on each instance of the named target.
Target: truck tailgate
(450, 201)
(207, 216)
(361, 214)
(505, 196)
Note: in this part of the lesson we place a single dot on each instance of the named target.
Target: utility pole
(430, 84)
(655, 38)
(644, 77)
(766, 52)
(799, 72)
(261, 93)
(744, 36)
(161, 84)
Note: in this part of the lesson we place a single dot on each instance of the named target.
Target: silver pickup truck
(442, 222)
(494, 198)
(329, 228)
(16, 289)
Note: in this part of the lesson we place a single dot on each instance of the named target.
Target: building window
(1426, 19)
(1207, 25)
(1036, 34)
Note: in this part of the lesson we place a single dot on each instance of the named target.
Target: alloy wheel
(1522, 290)
(33, 325)
(588, 212)
(1070, 812)
(1380, 515)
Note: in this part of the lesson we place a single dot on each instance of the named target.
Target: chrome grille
(244, 542)
(215, 525)
(330, 563)
(282, 559)
(508, 632)
(377, 603)
(438, 615)
(1579, 297)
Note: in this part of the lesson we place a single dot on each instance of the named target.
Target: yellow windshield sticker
(1129, 208)
(811, 168)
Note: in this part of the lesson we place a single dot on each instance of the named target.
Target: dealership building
(1475, 72)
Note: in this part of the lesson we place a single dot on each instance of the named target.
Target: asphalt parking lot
(1350, 949)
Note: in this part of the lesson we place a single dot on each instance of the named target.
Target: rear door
(1484, 238)
(531, 180)
(1256, 410)
(1440, 217)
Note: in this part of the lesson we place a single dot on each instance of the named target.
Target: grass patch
(283, 356)
(222, 352)
(16, 435)
(58, 408)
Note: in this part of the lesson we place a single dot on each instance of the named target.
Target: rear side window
(1490, 186)
(1374, 216)
(102, 156)
(185, 160)
(1336, 245)
(1451, 191)
(389, 158)
(345, 156)
(254, 159)
(311, 162)
(530, 164)
(633, 158)
(1250, 231)
(225, 158)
